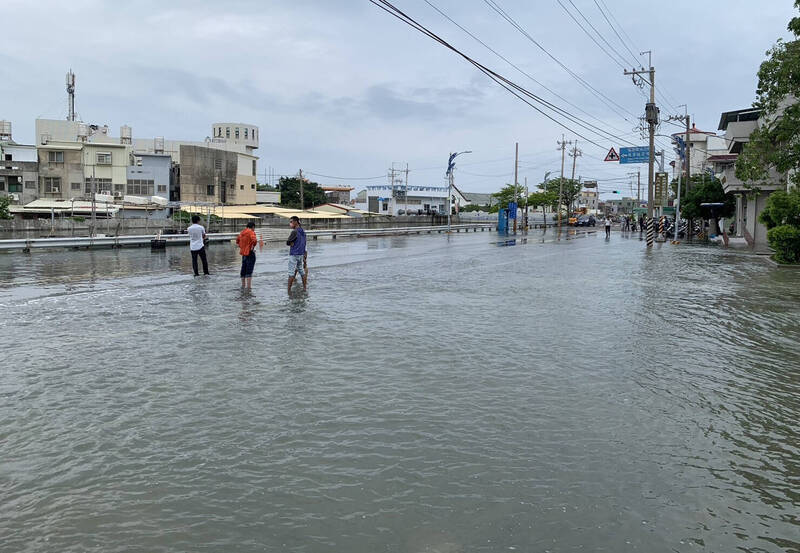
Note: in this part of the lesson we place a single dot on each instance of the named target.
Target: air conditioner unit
(117, 195)
(14, 197)
(45, 138)
(56, 190)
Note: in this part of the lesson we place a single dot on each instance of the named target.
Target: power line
(578, 23)
(515, 89)
(495, 52)
(633, 56)
(605, 99)
(346, 178)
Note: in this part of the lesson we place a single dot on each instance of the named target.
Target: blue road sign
(512, 210)
(637, 154)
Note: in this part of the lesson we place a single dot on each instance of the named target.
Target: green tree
(506, 195)
(776, 143)
(543, 198)
(570, 191)
(289, 188)
(4, 203)
(706, 189)
(783, 208)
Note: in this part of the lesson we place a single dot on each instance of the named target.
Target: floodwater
(430, 394)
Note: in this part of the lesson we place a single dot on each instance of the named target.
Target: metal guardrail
(28, 244)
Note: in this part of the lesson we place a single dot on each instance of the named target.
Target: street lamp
(451, 164)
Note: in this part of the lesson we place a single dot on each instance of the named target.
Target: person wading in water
(297, 252)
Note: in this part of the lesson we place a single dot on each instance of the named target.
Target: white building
(738, 125)
(411, 200)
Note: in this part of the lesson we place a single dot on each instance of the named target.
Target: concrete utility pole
(562, 145)
(516, 184)
(451, 165)
(302, 185)
(405, 195)
(575, 153)
(687, 155)
(651, 116)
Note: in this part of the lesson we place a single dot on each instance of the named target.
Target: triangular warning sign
(612, 155)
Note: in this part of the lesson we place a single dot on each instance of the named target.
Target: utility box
(502, 220)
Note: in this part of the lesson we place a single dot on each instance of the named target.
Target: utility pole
(651, 116)
(302, 185)
(516, 184)
(575, 153)
(405, 195)
(451, 165)
(525, 220)
(687, 155)
(562, 145)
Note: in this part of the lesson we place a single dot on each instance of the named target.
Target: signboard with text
(661, 189)
(512, 210)
(636, 154)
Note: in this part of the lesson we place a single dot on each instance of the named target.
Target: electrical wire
(346, 178)
(515, 89)
(605, 99)
(578, 23)
(495, 52)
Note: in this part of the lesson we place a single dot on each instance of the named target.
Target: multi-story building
(702, 144)
(151, 175)
(588, 199)
(19, 168)
(338, 194)
(750, 200)
(76, 158)
(208, 175)
(239, 139)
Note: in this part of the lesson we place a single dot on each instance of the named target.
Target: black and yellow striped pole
(650, 232)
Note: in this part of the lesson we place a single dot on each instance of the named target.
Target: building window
(2, 183)
(52, 185)
(119, 187)
(75, 186)
(55, 157)
(254, 168)
(386, 207)
(30, 185)
(103, 158)
(8, 157)
(253, 134)
(245, 134)
(140, 187)
(209, 190)
(227, 132)
(218, 164)
(237, 133)
(162, 187)
(241, 187)
(101, 186)
(232, 186)
(252, 187)
(14, 186)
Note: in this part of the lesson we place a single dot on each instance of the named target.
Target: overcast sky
(341, 88)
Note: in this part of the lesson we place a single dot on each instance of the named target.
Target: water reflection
(430, 393)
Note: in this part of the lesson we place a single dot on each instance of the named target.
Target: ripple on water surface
(430, 394)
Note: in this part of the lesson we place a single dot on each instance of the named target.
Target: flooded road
(430, 394)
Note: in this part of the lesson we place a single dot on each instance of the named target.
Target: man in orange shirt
(247, 248)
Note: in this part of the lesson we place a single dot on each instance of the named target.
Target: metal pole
(449, 192)
(563, 145)
(516, 185)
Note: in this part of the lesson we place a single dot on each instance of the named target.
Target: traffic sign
(637, 154)
(612, 155)
(512, 210)
(660, 194)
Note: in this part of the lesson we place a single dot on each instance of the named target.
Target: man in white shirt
(197, 236)
(607, 224)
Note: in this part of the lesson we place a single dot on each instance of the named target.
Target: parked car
(586, 221)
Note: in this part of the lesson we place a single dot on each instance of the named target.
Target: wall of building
(116, 171)
(202, 168)
(150, 176)
(69, 171)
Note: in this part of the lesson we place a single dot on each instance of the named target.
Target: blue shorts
(296, 264)
(248, 264)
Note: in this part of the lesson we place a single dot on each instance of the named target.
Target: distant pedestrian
(197, 238)
(297, 252)
(247, 248)
(607, 224)
(641, 223)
